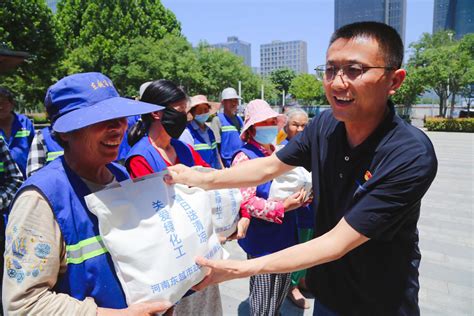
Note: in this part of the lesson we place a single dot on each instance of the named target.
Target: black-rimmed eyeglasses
(351, 71)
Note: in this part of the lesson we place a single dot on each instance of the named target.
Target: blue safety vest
(265, 237)
(145, 149)
(90, 270)
(230, 139)
(54, 150)
(208, 152)
(19, 143)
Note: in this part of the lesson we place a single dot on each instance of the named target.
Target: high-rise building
(52, 4)
(237, 47)
(278, 54)
(391, 12)
(455, 15)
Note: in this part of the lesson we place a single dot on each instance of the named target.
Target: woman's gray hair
(295, 112)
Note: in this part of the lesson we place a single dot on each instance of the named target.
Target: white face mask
(265, 134)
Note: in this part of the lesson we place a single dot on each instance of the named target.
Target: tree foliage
(27, 25)
(282, 78)
(444, 65)
(412, 87)
(308, 89)
(92, 31)
(145, 59)
(204, 70)
(222, 69)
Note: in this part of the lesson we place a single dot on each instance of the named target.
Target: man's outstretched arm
(328, 247)
(247, 174)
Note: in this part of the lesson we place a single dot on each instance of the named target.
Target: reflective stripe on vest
(22, 133)
(205, 146)
(1, 167)
(229, 128)
(50, 156)
(85, 249)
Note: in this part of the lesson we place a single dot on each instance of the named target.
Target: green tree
(94, 30)
(308, 89)
(145, 59)
(427, 59)
(411, 88)
(463, 68)
(27, 25)
(269, 90)
(445, 65)
(409, 92)
(282, 78)
(221, 69)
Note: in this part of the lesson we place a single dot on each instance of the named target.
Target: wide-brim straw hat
(202, 99)
(259, 111)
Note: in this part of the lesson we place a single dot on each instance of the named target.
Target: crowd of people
(355, 232)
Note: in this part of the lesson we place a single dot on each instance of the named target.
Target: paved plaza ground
(446, 238)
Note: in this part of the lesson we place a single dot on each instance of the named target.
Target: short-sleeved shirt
(377, 187)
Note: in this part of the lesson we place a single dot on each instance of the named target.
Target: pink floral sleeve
(272, 211)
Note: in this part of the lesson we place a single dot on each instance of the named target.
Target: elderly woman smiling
(55, 261)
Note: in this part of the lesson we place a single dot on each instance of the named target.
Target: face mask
(174, 122)
(202, 118)
(265, 134)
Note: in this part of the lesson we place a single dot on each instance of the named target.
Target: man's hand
(295, 200)
(139, 309)
(220, 271)
(182, 174)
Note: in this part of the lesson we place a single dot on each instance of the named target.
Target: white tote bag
(153, 232)
(225, 205)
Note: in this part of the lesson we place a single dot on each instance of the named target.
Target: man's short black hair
(386, 36)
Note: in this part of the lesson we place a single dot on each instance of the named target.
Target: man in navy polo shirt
(370, 171)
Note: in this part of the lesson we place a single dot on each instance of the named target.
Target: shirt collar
(195, 125)
(377, 134)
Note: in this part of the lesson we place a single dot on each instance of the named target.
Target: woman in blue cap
(55, 261)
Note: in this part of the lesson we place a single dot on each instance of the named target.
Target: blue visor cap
(85, 99)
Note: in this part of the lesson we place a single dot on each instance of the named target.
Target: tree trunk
(469, 107)
(441, 106)
(453, 100)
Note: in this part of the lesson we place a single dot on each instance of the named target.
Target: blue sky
(261, 21)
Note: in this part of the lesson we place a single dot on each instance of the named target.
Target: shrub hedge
(450, 125)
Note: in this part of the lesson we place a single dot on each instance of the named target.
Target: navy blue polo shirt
(377, 187)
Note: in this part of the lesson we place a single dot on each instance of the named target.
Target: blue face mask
(265, 134)
(202, 118)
